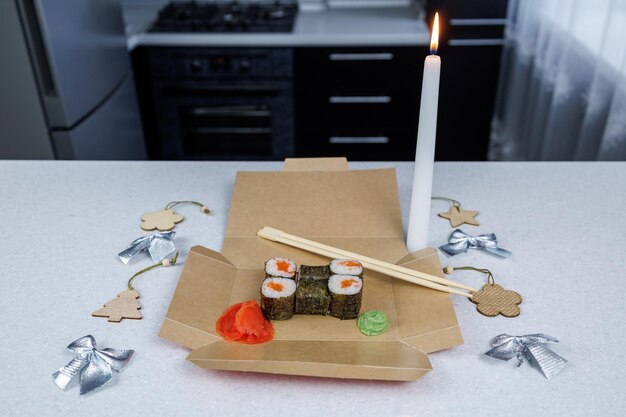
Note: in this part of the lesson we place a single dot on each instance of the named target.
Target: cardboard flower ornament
(162, 220)
(167, 218)
(492, 300)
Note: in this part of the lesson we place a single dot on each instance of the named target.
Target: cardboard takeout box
(322, 200)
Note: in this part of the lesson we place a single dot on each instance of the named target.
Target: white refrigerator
(66, 86)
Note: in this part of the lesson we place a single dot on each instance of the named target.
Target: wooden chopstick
(405, 274)
(368, 262)
(345, 254)
(404, 277)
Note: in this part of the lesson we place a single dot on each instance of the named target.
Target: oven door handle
(243, 111)
(255, 89)
(232, 130)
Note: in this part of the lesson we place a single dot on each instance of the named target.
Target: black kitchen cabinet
(470, 46)
(359, 102)
(469, 78)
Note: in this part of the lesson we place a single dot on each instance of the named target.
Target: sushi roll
(346, 267)
(312, 293)
(280, 267)
(278, 298)
(345, 296)
(314, 273)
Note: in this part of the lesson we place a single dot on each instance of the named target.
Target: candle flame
(434, 39)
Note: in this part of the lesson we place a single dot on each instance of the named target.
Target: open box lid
(355, 210)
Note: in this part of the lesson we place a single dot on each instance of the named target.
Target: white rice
(339, 267)
(271, 268)
(335, 284)
(289, 287)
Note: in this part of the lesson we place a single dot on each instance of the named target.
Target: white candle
(419, 214)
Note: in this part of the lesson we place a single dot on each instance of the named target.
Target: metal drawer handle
(476, 42)
(478, 22)
(359, 99)
(358, 139)
(384, 56)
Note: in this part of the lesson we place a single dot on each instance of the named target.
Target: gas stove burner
(194, 16)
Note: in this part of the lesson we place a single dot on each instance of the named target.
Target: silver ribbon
(158, 245)
(529, 346)
(459, 242)
(94, 365)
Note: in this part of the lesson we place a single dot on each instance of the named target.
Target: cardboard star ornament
(458, 216)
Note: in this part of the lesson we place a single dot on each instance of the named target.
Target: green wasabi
(373, 323)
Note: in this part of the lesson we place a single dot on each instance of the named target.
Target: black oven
(216, 103)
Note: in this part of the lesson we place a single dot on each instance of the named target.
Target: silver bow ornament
(158, 245)
(94, 365)
(459, 242)
(531, 347)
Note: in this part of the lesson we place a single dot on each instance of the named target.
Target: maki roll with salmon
(278, 300)
(281, 268)
(345, 296)
(312, 293)
(346, 267)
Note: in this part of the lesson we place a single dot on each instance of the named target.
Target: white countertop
(64, 223)
(392, 26)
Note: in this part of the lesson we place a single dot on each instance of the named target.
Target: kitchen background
(265, 80)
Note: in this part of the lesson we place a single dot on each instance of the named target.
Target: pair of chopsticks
(400, 272)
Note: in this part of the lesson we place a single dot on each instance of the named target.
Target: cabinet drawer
(358, 66)
(366, 108)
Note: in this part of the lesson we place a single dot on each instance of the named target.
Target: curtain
(562, 87)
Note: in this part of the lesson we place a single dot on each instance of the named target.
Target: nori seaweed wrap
(312, 292)
(345, 296)
(314, 273)
(278, 298)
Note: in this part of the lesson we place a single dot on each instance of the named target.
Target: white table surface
(64, 223)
